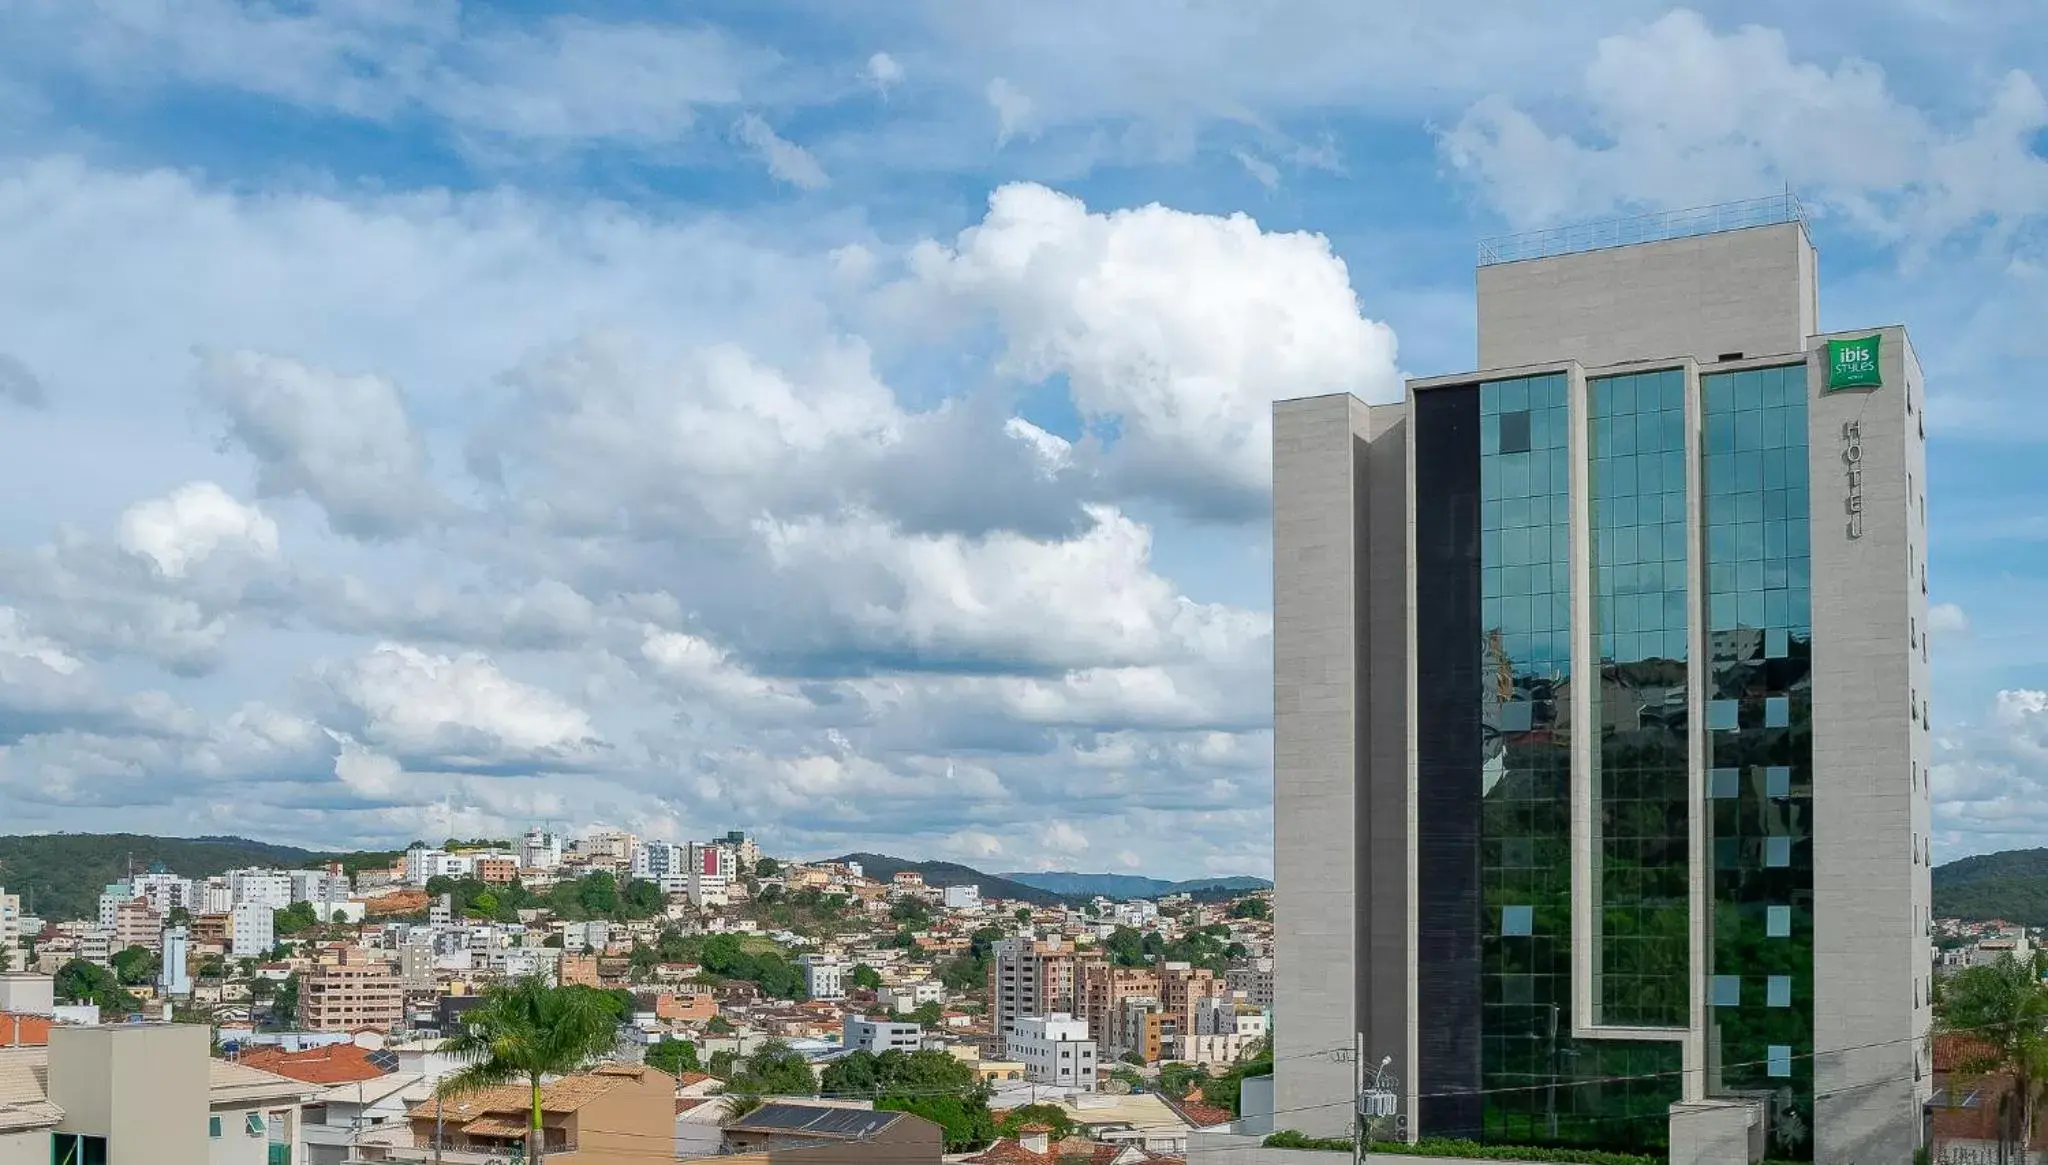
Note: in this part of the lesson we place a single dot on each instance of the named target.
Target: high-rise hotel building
(1600, 706)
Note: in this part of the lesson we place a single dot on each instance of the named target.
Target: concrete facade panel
(1870, 877)
(1749, 291)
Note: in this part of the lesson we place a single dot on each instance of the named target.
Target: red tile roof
(1198, 1114)
(333, 1064)
(23, 1031)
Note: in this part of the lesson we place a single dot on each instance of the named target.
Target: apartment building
(1032, 977)
(349, 990)
(251, 931)
(497, 869)
(261, 887)
(1589, 668)
(1055, 1050)
(1102, 991)
(174, 977)
(824, 976)
(1253, 979)
(136, 924)
(10, 931)
(709, 871)
(880, 1035)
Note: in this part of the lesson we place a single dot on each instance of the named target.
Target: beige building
(137, 924)
(141, 1094)
(350, 990)
(616, 1114)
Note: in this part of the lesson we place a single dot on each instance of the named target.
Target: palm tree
(2001, 1012)
(525, 1030)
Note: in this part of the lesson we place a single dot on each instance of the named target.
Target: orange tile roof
(333, 1064)
(23, 1031)
(568, 1094)
(495, 1125)
(1198, 1114)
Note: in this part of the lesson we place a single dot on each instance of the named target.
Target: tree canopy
(1251, 908)
(933, 1085)
(774, 1069)
(81, 982)
(674, 1057)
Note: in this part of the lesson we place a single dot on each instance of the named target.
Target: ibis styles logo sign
(1853, 364)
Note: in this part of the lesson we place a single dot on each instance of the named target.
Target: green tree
(1126, 947)
(135, 966)
(774, 1069)
(865, 977)
(1226, 1090)
(1177, 1080)
(718, 1025)
(284, 1010)
(967, 1126)
(1050, 1115)
(179, 916)
(674, 1057)
(963, 973)
(913, 911)
(525, 1030)
(1257, 908)
(2002, 1008)
(598, 895)
(643, 899)
(767, 868)
(81, 982)
(738, 1104)
(928, 1014)
(721, 1064)
(293, 919)
(1023, 914)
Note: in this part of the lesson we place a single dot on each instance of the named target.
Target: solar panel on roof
(383, 1061)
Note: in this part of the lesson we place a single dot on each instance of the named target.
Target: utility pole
(438, 1140)
(1358, 1090)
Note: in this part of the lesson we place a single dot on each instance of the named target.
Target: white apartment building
(319, 887)
(1055, 1050)
(657, 860)
(213, 896)
(260, 887)
(251, 930)
(540, 851)
(824, 976)
(963, 898)
(880, 1035)
(911, 996)
(10, 929)
(166, 891)
(111, 899)
(96, 945)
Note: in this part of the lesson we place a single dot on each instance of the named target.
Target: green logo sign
(1853, 364)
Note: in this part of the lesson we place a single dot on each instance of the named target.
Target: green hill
(2012, 885)
(59, 875)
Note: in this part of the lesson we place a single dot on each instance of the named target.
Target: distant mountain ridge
(882, 867)
(1128, 886)
(2012, 885)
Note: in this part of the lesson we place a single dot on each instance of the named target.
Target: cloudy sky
(848, 422)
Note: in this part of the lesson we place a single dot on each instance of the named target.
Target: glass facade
(1641, 883)
(1538, 1084)
(1760, 788)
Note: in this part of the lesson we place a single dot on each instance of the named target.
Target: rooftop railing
(1642, 228)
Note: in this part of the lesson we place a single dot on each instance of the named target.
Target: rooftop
(815, 1120)
(1602, 234)
(329, 1064)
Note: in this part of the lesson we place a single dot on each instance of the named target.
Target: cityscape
(949, 582)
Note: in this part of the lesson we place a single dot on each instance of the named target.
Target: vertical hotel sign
(1853, 364)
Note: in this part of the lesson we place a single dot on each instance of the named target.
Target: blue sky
(847, 422)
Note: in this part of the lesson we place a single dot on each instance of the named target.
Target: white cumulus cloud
(1177, 330)
(462, 707)
(192, 523)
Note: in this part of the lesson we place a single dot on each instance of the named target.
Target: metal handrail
(1689, 222)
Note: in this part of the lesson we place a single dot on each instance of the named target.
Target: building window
(254, 1125)
(1778, 1058)
(1514, 432)
(1778, 991)
(1777, 852)
(1517, 921)
(1777, 712)
(1727, 991)
(1721, 715)
(213, 1127)
(1778, 781)
(1778, 922)
(1723, 784)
